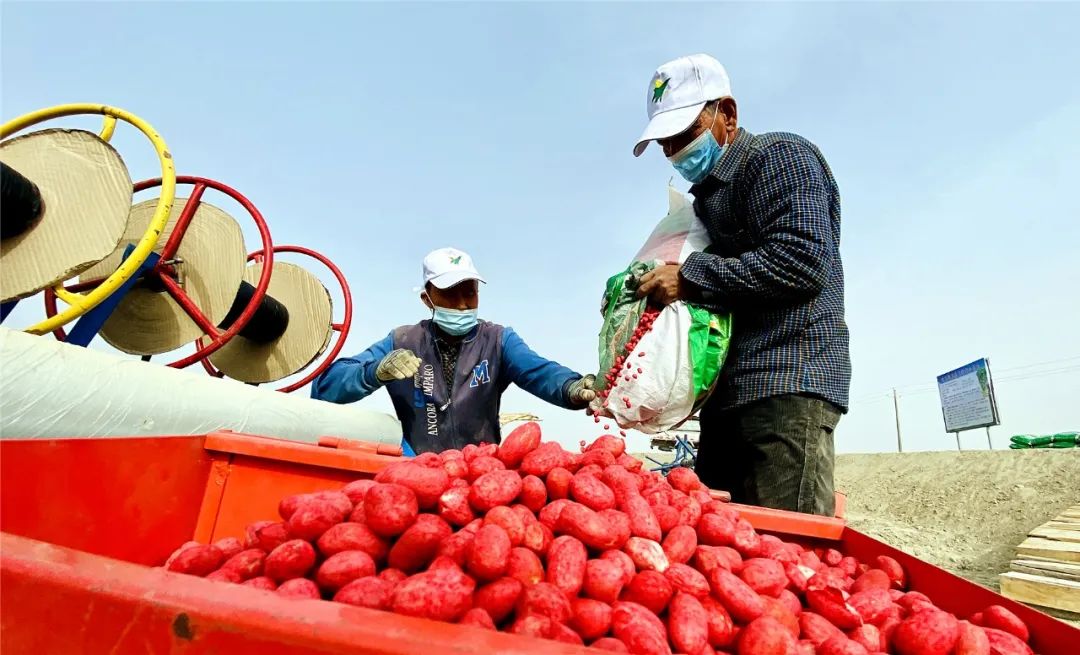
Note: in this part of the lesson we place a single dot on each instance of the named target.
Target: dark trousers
(776, 452)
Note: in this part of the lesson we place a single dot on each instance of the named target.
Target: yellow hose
(80, 303)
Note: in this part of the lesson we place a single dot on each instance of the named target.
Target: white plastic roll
(50, 389)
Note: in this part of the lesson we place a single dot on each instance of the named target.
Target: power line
(933, 385)
(1046, 363)
(922, 389)
(1040, 374)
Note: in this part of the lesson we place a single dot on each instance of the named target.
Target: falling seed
(622, 433)
(596, 418)
(635, 376)
(640, 370)
(641, 354)
(607, 426)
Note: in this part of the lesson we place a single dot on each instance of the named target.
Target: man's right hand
(400, 364)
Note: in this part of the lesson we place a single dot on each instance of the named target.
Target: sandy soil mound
(964, 511)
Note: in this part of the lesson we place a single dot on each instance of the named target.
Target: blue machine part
(685, 456)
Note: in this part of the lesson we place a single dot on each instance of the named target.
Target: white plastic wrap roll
(50, 389)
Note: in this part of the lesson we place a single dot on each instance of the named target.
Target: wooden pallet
(1046, 571)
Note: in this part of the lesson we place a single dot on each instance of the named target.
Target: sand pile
(964, 511)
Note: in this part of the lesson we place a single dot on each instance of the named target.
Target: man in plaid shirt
(772, 209)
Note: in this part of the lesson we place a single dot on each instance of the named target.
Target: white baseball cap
(446, 267)
(678, 92)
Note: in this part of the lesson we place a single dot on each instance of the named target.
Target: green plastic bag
(1059, 440)
(659, 379)
(622, 313)
(658, 376)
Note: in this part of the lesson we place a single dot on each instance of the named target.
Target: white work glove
(400, 364)
(581, 391)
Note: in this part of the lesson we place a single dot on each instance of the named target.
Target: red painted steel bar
(183, 221)
(341, 328)
(190, 308)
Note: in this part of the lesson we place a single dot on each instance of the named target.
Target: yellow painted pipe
(80, 303)
(108, 128)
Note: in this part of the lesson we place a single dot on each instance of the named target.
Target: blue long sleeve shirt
(433, 416)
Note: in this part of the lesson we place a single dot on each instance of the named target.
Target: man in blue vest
(446, 375)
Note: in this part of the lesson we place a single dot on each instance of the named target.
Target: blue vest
(434, 418)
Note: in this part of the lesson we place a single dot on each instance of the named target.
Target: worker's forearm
(351, 378)
(543, 378)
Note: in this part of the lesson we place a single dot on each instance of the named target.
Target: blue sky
(376, 132)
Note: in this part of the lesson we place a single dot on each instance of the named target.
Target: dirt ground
(966, 511)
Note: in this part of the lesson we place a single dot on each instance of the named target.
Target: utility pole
(896, 409)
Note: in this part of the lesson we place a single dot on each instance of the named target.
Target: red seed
(641, 354)
(607, 426)
(640, 371)
(622, 433)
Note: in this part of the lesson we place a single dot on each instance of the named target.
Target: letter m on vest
(480, 374)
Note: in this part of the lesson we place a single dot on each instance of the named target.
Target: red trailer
(86, 524)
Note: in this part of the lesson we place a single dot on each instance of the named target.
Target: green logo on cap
(660, 87)
(455, 260)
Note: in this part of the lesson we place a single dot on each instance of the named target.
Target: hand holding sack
(581, 391)
(658, 366)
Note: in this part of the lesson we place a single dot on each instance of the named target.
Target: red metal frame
(963, 598)
(58, 600)
(164, 271)
(96, 502)
(77, 492)
(341, 328)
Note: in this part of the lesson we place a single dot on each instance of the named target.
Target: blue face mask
(455, 322)
(697, 159)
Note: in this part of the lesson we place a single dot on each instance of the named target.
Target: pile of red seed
(624, 369)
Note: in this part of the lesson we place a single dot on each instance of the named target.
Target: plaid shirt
(772, 208)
